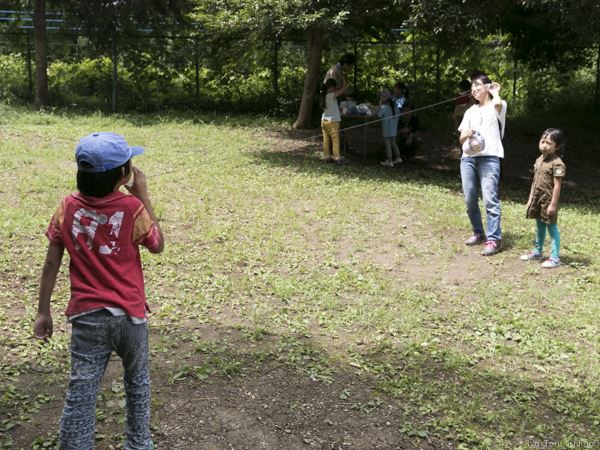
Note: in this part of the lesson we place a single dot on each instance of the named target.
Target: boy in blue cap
(102, 229)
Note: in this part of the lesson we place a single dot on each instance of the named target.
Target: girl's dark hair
(558, 137)
(348, 58)
(480, 76)
(464, 85)
(404, 87)
(101, 184)
(328, 83)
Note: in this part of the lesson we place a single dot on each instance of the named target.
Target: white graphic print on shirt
(89, 231)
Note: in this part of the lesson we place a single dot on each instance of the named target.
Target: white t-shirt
(484, 119)
(332, 110)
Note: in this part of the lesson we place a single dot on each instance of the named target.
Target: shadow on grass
(438, 164)
(510, 239)
(292, 391)
(576, 261)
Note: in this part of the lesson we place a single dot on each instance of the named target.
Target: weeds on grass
(275, 258)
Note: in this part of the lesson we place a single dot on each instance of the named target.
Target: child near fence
(331, 119)
(389, 127)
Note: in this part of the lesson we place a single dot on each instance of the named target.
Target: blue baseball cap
(102, 151)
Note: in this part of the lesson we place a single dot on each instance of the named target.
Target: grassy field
(300, 305)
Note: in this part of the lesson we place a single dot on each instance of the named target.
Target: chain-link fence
(148, 72)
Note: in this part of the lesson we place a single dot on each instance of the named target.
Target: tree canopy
(557, 34)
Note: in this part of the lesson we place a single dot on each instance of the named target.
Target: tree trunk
(275, 73)
(41, 54)
(317, 39)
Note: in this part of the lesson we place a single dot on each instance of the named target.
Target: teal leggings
(541, 237)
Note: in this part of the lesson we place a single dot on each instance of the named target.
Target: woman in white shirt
(481, 132)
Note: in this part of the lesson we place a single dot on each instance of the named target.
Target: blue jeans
(540, 237)
(484, 172)
(94, 336)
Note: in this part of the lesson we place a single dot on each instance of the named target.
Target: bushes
(564, 92)
(15, 82)
(86, 83)
(157, 74)
(148, 86)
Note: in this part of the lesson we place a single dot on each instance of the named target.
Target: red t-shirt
(102, 236)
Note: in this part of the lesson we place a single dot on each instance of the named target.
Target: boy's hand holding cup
(139, 187)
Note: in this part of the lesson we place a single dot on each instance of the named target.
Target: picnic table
(361, 129)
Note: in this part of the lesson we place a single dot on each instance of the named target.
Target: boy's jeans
(94, 336)
(482, 171)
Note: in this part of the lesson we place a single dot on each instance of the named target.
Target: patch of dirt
(275, 408)
(266, 407)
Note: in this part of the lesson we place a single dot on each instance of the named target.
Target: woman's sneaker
(387, 163)
(532, 256)
(491, 248)
(474, 240)
(551, 263)
(398, 161)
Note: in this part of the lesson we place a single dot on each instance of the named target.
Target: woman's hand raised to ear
(494, 89)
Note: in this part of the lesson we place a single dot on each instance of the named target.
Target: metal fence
(149, 71)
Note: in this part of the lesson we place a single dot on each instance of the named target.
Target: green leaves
(267, 18)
